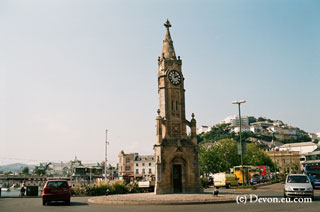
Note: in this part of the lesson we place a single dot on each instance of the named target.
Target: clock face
(174, 77)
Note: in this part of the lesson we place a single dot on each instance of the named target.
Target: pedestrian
(22, 190)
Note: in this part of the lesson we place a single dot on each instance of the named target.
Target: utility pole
(240, 142)
(290, 158)
(106, 157)
(274, 151)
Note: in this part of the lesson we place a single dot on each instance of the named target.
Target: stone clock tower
(177, 164)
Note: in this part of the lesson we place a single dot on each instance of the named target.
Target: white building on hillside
(285, 132)
(260, 127)
(313, 136)
(235, 123)
(203, 129)
(302, 147)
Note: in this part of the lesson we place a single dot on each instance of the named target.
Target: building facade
(177, 163)
(126, 165)
(286, 161)
(144, 166)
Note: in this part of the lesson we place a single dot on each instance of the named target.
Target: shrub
(275, 181)
(78, 191)
(134, 188)
(205, 182)
(118, 187)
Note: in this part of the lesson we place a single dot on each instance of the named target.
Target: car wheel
(44, 202)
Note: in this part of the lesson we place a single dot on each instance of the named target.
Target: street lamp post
(106, 157)
(290, 159)
(241, 149)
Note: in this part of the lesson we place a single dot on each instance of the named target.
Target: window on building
(137, 171)
(150, 171)
(143, 171)
(142, 164)
(149, 164)
(137, 164)
(128, 160)
(127, 168)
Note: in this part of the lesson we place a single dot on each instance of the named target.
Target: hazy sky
(70, 69)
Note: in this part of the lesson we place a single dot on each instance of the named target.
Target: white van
(224, 180)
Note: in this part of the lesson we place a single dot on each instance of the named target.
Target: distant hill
(16, 167)
(259, 129)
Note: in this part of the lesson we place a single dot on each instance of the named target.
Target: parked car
(298, 185)
(255, 179)
(224, 180)
(263, 179)
(56, 190)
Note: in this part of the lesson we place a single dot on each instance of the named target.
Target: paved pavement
(80, 204)
(164, 199)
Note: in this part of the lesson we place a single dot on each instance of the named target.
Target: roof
(314, 153)
(144, 157)
(298, 144)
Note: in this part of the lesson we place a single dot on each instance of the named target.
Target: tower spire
(168, 49)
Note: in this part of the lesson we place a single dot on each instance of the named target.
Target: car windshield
(298, 179)
(57, 184)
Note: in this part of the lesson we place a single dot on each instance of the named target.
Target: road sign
(244, 148)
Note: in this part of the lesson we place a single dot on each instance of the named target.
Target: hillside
(262, 130)
(15, 167)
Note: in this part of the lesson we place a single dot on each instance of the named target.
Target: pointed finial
(192, 115)
(158, 111)
(167, 24)
(168, 49)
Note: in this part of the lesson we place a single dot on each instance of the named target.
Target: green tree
(8, 173)
(219, 156)
(256, 156)
(218, 132)
(25, 170)
(222, 155)
(39, 171)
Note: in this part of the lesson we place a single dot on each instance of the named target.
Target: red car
(56, 190)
